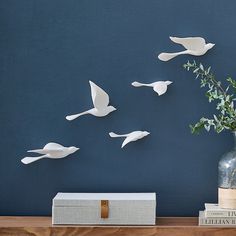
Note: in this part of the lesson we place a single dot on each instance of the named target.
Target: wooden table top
(166, 226)
(41, 221)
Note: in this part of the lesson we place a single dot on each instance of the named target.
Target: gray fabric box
(121, 208)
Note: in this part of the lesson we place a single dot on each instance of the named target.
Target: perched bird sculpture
(195, 46)
(160, 87)
(100, 101)
(131, 137)
(50, 150)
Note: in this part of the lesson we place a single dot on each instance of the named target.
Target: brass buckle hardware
(104, 209)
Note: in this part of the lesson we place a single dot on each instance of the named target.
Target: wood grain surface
(166, 226)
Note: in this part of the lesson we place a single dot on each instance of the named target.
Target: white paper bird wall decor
(50, 150)
(100, 101)
(131, 137)
(195, 46)
(160, 87)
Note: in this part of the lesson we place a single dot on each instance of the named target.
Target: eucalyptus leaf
(223, 99)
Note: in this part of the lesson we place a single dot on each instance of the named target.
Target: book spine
(220, 214)
(217, 222)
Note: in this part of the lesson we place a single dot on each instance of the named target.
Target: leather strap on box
(104, 209)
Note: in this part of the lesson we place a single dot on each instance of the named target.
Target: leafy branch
(225, 119)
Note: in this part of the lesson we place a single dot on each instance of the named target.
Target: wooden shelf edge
(166, 226)
(45, 221)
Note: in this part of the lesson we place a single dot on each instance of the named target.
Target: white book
(216, 221)
(213, 210)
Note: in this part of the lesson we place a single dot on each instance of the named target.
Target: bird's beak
(168, 82)
(212, 45)
(75, 149)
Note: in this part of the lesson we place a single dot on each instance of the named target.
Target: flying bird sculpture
(50, 150)
(131, 137)
(100, 101)
(160, 87)
(195, 46)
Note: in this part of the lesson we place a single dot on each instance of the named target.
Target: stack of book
(213, 215)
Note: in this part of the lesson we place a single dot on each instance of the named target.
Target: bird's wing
(53, 146)
(190, 43)
(49, 148)
(99, 96)
(40, 151)
(160, 88)
(28, 160)
(129, 139)
(47, 151)
(114, 135)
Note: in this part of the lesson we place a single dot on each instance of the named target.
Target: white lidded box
(104, 208)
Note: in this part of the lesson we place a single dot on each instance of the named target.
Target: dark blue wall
(48, 52)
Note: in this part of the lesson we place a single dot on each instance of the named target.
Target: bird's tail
(137, 84)
(40, 151)
(28, 160)
(114, 135)
(72, 117)
(168, 56)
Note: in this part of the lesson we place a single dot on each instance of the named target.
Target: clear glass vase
(227, 179)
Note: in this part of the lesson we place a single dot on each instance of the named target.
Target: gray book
(104, 208)
(215, 221)
(213, 210)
